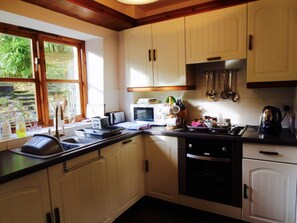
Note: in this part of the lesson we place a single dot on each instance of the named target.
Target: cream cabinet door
(216, 35)
(26, 199)
(162, 167)
(155, 54)
(125, 173)
(139, 56)
(270, 191)
(169, 53)
(79, 190)
(272, 50)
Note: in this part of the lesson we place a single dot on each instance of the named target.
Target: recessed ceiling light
(137, 2)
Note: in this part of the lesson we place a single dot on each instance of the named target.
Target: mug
(173, 121)
(175, 109)
(166, 110)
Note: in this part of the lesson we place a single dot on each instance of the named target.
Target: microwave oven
(147, 113)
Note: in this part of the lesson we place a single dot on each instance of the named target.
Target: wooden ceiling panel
(88, 11)
(101, 15)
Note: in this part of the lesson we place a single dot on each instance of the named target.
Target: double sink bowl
(45, 146)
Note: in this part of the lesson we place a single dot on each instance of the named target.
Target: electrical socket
(282, 106)
(287, 107)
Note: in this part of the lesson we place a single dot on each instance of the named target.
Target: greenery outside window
(38, 71)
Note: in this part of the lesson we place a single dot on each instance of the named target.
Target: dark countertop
(13, 165)
(250, 135)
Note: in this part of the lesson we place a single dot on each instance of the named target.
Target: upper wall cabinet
(272, 44)
(155, 54)
(216, 35)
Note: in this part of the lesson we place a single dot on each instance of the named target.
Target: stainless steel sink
(68, 144)
(79, 140)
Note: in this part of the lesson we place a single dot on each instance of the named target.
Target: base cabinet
(26, 199)
(125, 169)
(269, 188)
(161, 167)
(79, 190)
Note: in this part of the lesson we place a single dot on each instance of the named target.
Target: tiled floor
(149, 210)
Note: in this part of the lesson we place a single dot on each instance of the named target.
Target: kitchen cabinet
(272, 33)
(161, 167)
(155, 55)
(269, 183)
(79, 189)
(26, 199)
(217, 35)
(125, 169)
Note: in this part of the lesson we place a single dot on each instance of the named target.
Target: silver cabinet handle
(67, 170)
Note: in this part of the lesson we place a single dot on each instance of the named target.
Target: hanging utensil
(213, 84)
(235, 96)
(206, 82)
(212, 91)
(230, 91)
(224, 93)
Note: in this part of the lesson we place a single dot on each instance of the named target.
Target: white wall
(102, 43)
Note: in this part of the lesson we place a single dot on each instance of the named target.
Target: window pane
(15, 56)
(61, 61)
(18, 97)
(66, 94)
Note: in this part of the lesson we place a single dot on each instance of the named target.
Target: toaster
(115, 117)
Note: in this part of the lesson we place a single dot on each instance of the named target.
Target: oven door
(209, 172)
(209, 178)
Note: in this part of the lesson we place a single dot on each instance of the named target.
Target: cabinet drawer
(278, 153)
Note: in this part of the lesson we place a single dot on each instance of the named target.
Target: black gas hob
(232, 130)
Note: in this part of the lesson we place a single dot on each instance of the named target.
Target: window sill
(13, 141)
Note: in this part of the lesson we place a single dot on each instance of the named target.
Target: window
(39, 71)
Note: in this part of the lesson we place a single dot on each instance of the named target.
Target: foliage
(15, 56)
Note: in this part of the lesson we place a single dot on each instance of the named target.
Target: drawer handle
(213, 58)
(127, 141)
(66, 169)
(269, 153)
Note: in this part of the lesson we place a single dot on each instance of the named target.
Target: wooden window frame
(39, 76)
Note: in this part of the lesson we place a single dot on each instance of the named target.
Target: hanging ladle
(235, 96)
(224, 93)
(230, 91)
(212, 92)
(206, 79)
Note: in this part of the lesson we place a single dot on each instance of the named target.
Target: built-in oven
(210, 169)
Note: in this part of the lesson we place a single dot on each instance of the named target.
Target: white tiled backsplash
(245, 111)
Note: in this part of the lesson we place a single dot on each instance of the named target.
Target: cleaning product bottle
(20, 126)
(5, 127)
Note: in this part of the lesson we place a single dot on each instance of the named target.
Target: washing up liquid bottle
(5, 127)
(20, 126)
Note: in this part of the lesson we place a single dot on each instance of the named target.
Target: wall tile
(16, 143)
(3, 146)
